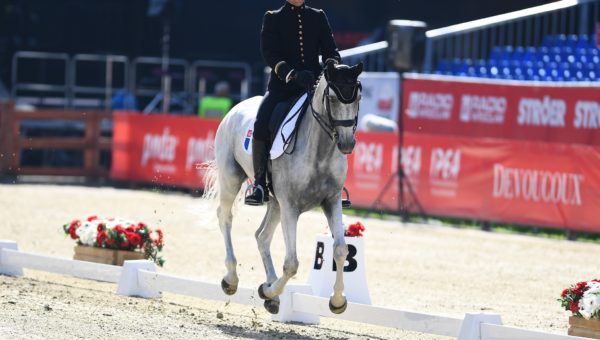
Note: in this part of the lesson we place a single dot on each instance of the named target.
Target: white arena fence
(139, 278)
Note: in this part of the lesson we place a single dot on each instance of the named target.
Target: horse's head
(341, 104)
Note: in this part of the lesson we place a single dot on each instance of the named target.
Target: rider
(291, 39)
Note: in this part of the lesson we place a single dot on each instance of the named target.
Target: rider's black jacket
(292, 38)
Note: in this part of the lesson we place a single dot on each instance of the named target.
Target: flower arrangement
(119, 234)
(582, 299)
(355, 230)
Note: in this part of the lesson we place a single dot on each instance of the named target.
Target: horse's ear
(358, 68)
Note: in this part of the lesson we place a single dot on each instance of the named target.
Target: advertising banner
(548, 184)
(569, 113)
(162, 149)
(380, 95)
(514, 181)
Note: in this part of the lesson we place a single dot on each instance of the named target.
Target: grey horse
(312, 175)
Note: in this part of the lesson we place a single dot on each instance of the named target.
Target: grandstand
(553, 42)
(558, 58)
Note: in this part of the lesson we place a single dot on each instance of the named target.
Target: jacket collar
(294, 8)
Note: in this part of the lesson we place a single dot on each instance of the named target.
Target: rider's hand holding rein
(303, 78)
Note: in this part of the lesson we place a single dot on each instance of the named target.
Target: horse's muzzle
(346, 148)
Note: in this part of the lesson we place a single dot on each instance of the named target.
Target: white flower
(593, 287)
(87, 233)
(589, 303)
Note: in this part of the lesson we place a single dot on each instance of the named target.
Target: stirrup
(251, 191)
(346, 203)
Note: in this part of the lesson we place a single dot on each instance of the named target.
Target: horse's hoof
(338, 310)
(272, 306)
(261, 293)
(227, 288)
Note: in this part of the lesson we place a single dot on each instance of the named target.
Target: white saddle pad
(285, 130)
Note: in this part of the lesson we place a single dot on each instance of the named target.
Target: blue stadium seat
(505, 70)
(518, 53)
(583, 41)
(443, 66)
(548, 41)
(493, 69)
(571, 41)
(507, 52)
(530, 54)
(458, 67)
(543, 54)
(481, 68)
(555, 55)
(567, 54)
(495, 54)
(559, 58)
(560, 40)
(564, 71)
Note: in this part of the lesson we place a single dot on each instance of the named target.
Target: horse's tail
(211, 180)
(205, 208)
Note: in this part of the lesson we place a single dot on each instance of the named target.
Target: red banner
(534, 183)
(162, 149)
(549, 112)
(530, 183)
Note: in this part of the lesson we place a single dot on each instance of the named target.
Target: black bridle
(330, 125)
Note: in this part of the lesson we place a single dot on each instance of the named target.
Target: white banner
(380, 95)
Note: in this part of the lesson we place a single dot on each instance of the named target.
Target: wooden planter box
(582, 327)
(106, 256)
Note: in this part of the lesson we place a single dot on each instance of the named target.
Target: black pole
(166, 41)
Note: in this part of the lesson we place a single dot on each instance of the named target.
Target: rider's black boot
(260, 156)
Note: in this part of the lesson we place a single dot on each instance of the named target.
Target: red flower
(124, 245)
(564, 292)
(110, 242)
(91, 218)
(101, 237)
(573, 307)
(134, 239)
(73, 232)
(580, 288)
(101, 227)
(355, 230)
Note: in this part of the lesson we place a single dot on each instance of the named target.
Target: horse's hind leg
(264, 236)
(231, 178)
(333, 210)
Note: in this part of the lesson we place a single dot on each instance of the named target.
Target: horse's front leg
(289, 222)
(333, 210)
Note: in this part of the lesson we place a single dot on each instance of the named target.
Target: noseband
(330, 125)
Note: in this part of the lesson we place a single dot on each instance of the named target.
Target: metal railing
(43, 91)
(90, 80)
(98, 93)
(198, 80)
(372, 55)
(148, 86)
(475, 39)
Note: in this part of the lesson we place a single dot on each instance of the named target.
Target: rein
(330, 125)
